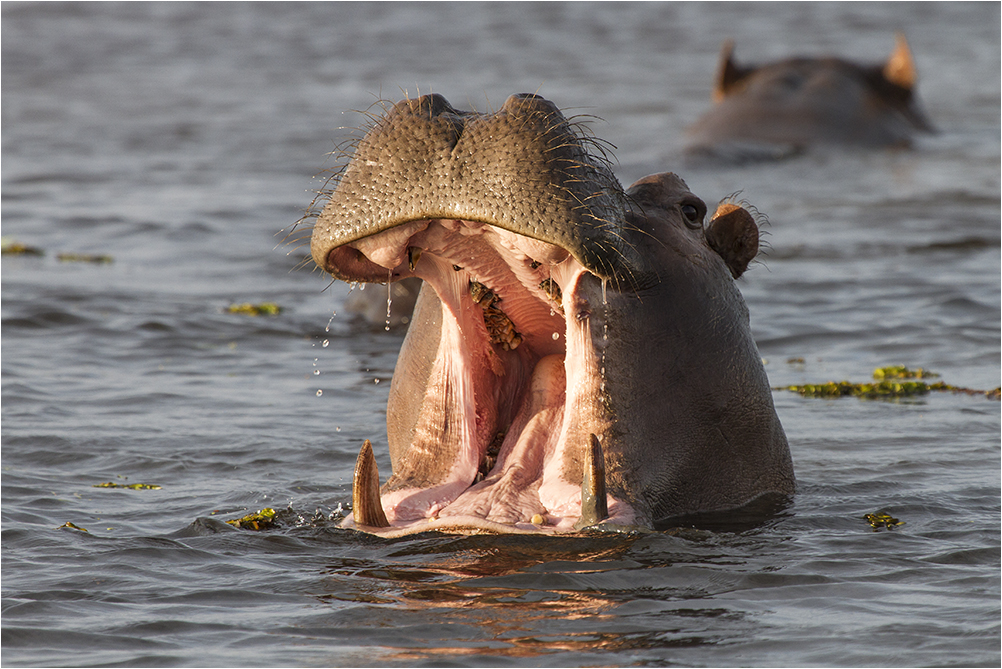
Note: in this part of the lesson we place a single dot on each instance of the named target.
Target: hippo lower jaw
(516, 380)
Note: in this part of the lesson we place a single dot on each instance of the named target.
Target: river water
(180, 139)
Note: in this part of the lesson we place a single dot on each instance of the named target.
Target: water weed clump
(261, 309)
(885, 387)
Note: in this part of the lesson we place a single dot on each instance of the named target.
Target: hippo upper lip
(524, 169)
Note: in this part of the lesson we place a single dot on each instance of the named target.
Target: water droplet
(389, 298)
(337, 429)
(316, 372)
(375, 380)
(325, 343)
(319, 393)
(556, 336)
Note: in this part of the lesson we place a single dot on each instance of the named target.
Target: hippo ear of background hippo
(900, 67)
(733, 234)
(897, 80)
(728, 72)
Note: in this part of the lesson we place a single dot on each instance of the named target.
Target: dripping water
(605, 332)
(324, 344)
(389, 299)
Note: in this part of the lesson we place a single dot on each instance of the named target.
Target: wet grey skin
(783, 108)
(579, 355)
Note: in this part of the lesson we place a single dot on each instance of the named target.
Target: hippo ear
(728, 72)
(900, 67)
(733, 234)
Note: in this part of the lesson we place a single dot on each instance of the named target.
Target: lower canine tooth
(594, 506)
(365, 502)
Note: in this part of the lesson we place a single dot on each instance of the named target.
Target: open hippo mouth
(504, 424)
(501, 417)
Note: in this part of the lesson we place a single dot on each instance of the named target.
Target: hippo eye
(691, 214)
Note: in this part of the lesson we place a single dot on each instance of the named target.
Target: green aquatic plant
(131, 486)
(865, 390)
(99, 259)
(261, 309)
(886, 386)
(254, 521)
(902, 372)
(881, 520)
(71, 526)
(12, 247)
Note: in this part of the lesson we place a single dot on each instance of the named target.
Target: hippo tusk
(594, 506)
(413, 255)
(365, 501)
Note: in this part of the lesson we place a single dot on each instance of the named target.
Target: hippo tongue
(506, 429)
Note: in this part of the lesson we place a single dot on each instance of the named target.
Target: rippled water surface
(180, 139)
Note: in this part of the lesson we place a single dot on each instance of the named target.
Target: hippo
(579, 356)
(782, 108)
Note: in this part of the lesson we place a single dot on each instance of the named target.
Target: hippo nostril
(429, 105)
(523, 102)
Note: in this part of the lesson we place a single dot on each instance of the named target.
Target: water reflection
(517, 596)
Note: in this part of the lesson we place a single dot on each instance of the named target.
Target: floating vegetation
(12, 247)
(99, 259)
(130, 486)
(261, 309)
(866, 390)
(902, 372)
(71, 526)
(884, 388)
(254, 521)
(882, 520)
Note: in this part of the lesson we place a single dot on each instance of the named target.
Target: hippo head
(579, 355)
(784, 107)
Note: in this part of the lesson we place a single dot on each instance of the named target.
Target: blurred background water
(180, 139)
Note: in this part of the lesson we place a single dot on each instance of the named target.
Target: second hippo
(782, 108)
